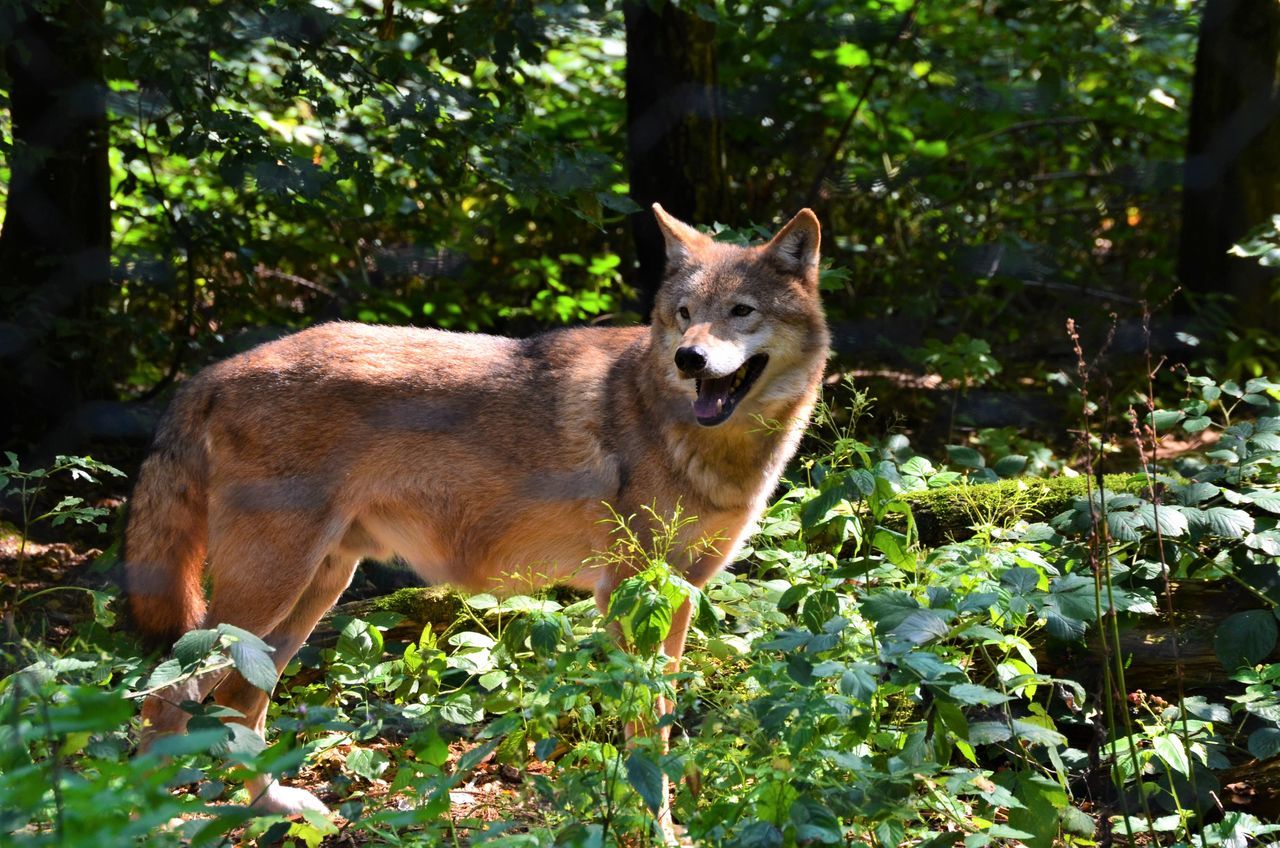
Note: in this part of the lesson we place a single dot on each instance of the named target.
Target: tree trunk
(56, 239)
(1232, 174)
(674, 133)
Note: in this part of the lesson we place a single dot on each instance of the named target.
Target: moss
(423, 604)
(949, 514)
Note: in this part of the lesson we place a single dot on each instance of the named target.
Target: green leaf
(1163, 419)
(1011, 465)
(165, 673)
(1037, 734)
(1221, 521)
(819, 609)
(254, 665)
(430, 747)
(1268, 499)
(894, 547)
(1245, 639)
(1020, 580)
(1172, 523)
(1038, 818)
(367, 763)
(921, 625)
(988, 732)
(888, 609)
(1193, 494)
(1267, 541)
(1173, 753)
(858, 684)
(646, 778)
(759, 834)
(194, 646)
(462, 708)
(240, 743)
(1077, 821)
(1265, 743)
(792, 597)
(482, 601)
(972, 694)
(244, 636)
(359, 643)
(545, 633)
(1197, 424)
(651, 621)
(965, 457)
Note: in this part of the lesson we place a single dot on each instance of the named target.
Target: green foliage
(843, 683)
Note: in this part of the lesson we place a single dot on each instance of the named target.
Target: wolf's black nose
(691, 359)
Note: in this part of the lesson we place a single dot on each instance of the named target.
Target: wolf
(479, 460)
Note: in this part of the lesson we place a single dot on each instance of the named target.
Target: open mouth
(718, 396)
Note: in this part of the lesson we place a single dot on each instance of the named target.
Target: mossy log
(949, 514)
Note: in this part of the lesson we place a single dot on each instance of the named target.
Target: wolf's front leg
(269, 796)
(162, 712)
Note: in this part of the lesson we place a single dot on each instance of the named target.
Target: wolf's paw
(288, 801)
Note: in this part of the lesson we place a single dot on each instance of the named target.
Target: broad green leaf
(239, 742)
(165, 673)
(858, 684)
(966, 457)
(1170, 520)
(359, 643)
(1197, 424)
(646, 778)
(920, 626)
(1010, 466)
(888, 609)
(1173, 753)
(1221, 521)
(650, 622)
(819, 608)
(894, 547)
(1268, 499)
(194, 646)
(367, 763)
(1038, 817)
(1265, 743)
(1037, 734)
(545, 632)
(973, 694)
(254, 665)
(1245, 639)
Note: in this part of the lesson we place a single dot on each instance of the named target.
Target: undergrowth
(845, 682)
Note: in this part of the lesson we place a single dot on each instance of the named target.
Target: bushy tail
(167, 534)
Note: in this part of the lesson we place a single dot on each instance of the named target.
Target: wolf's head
(740, 328)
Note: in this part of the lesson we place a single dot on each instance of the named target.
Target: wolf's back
(167, 533)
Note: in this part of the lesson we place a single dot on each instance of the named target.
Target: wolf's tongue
(712, 395)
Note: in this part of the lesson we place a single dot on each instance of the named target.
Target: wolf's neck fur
(734, 465)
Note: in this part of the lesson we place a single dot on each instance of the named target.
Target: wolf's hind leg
(328, 583)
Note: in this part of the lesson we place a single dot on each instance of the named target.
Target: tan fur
(488, 463)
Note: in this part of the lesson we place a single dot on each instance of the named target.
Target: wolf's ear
(796, 245)
(681, 238)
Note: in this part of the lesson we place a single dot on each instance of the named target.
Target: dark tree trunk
(55, 243)
(1232, 177)
(675, 140)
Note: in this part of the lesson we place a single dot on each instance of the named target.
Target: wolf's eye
(683, 312)
(742, 310)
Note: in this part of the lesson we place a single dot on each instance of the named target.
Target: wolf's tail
(167, 534)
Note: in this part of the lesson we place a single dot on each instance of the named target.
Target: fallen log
(949, 514)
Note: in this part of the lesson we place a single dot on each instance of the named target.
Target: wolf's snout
(691, 359)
